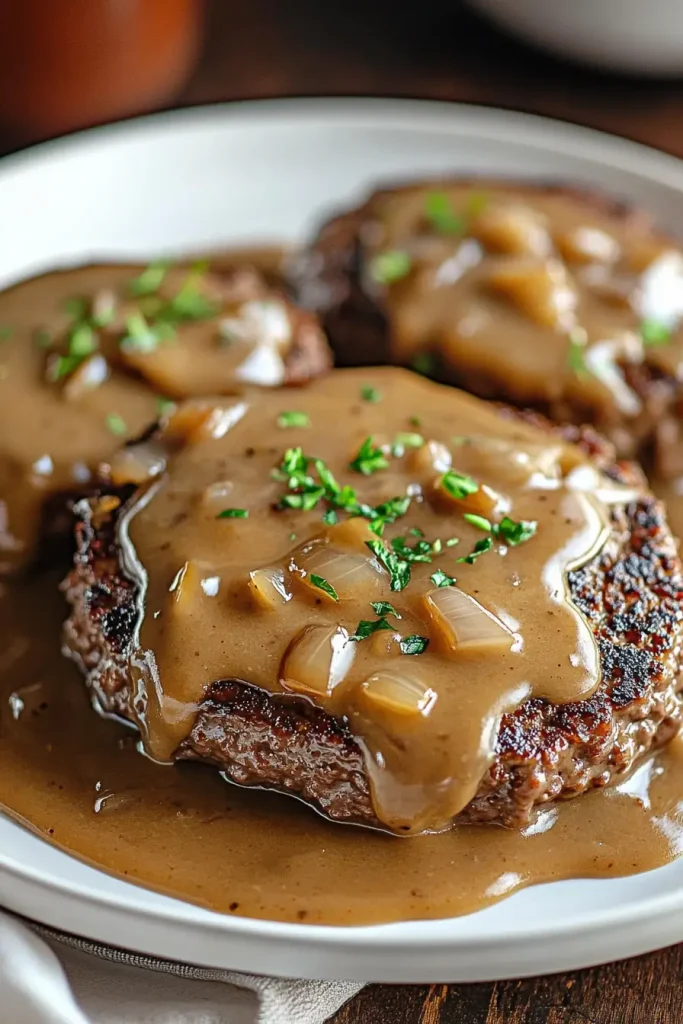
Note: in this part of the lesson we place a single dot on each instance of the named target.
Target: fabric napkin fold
(48, 977)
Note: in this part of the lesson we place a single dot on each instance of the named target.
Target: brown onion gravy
(58, 421)
(77, 780)
(571, 285)
(428, 722)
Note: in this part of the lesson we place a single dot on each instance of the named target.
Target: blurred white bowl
(639, 36)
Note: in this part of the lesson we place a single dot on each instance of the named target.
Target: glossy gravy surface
(426, 719)
(79, 782)
(538, 295)
(85, 363)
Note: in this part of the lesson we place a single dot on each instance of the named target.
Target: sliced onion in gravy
(464, 624)
(395, 692)
(317, 660)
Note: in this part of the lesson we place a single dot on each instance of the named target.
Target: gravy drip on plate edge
(78, 781)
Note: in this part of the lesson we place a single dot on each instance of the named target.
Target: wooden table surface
(434, 49)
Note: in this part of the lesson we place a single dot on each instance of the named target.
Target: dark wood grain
(435, 49)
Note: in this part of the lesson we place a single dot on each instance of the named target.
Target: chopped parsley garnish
(322, 584)
(413, 644)
(370, 394)
(5, 333)
(150, 280)
(366, 628)
(654, 332)
(384, 608)
(398, 568)
(330, 517)
(480, 548)
(576, 354)
(510, 531)
(479, 522)
(441, 215)
(452, 541)
(233, 513)
(142, 336)
(369, 459)
(415, 421)
(421, 551)
(293, 419)
(165, 405)
(403, 441)
(458, 485)
(442, 579)
(392, 265)
(515, 532)
(424, 363)
(116, 424)
(305, 491)
(415, 531)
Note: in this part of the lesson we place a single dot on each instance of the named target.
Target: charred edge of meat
(631, 595)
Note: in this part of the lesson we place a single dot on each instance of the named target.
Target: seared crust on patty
(630, 594)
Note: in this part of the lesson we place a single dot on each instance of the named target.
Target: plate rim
(416, 117)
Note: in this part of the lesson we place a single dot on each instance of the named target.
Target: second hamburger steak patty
(383, 690)
(541, 296)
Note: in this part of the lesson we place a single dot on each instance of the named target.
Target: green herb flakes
(513, 532)
(165, 406)
(322, 584)
(392, 265)
(442, 579)
(576, 354)
(403, 441)
(441, 215)
(366, 628)
(383, 608)
(330, 518)
(116, 424)
(480, 548)
(233, 513)
(398, 568)
(150, 280)
(458, 485)
(293, 419)
(654, 332)
(370, 394)
(479, 522)
(413, 644)
(369, 459)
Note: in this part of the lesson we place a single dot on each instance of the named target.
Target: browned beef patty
(630, 595)
(525, 293)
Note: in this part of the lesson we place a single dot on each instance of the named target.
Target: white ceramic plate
(266, 171)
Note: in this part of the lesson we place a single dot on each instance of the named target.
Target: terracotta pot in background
(66, 64)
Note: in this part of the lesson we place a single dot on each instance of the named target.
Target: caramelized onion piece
(317, 660)
(464, 623)
(268, 588)
(137, 463)
(432, 458)
(203, 419)
(90, 374)
(398, 693)
(541, 289)
(584, 244)
(351, 575)
(512, 229)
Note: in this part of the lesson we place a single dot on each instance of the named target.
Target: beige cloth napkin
(51, 978)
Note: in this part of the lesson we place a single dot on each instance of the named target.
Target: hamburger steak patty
(630, 594)
(499, 296)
